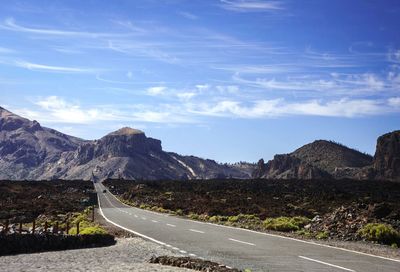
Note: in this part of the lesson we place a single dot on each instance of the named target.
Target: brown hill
(30, 151)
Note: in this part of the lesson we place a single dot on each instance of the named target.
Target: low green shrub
(304, 233)
(179, 212)
(194, 216)
(93, 230)
(322, 235)
(286, 224)
(381, 233)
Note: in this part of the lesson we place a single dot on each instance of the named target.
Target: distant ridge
(327, 159)
(30, 151)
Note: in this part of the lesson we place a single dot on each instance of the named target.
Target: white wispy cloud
(4, 50)
(394, 55)
(332, 84)
(251, 5)
(394, 102)
(186, 96)
(60, 111)
(188, 15)
(158, 90)
(57, 110)
(57, 69)
(280, 107)
(140, 48)
(10, 24)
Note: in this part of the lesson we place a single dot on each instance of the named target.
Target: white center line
(144, 218)
(154, 221)
(328, 264)
(238, 241)
(198, 231)
(136, 216)
(171, 225)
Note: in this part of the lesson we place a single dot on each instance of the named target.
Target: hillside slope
(30, 151)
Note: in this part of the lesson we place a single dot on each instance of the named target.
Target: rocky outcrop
(30, 151)
(325, 159)
(318, 160)
(286, 166)
(387, 156)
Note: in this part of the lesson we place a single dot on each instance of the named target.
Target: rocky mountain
(30, 151)
(327, 159)
(27, 149)
(387, 156)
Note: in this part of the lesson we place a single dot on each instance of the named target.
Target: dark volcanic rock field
(339, 207)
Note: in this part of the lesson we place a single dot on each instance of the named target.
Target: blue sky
(231, 80)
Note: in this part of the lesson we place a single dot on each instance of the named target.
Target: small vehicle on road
(104, 191)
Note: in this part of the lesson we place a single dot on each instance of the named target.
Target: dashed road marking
(242, 242)
(328, 264)
(182, 251)
(198, 231)
(170, 225)
(144, 218)
(154, 221)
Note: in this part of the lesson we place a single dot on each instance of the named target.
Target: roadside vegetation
(381, 233)
(312, 209)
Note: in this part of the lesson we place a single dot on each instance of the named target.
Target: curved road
(236, 247)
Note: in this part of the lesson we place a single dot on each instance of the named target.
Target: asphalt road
(237, 247)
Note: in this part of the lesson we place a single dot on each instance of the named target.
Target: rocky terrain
(22, 201)
(32, 152)
(338, 208)
(327, 159)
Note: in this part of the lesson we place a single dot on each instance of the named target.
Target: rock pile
(192, 263)
(345, 222)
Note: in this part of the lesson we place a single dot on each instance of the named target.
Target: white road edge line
(298, 240)
(328, 264)
(182, 251)
(242, 242)
(129, 230)
(274, 235)
(171, 225)
(198, 231)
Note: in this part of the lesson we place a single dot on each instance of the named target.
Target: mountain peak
(125, 131)
(6, 113)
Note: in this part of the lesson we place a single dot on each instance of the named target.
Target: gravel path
(130, 254)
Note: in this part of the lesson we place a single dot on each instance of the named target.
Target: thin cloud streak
(10, 24)
(55, 109)
(57, 69)
(251, 5)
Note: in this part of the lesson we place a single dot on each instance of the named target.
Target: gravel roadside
(129, 254)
